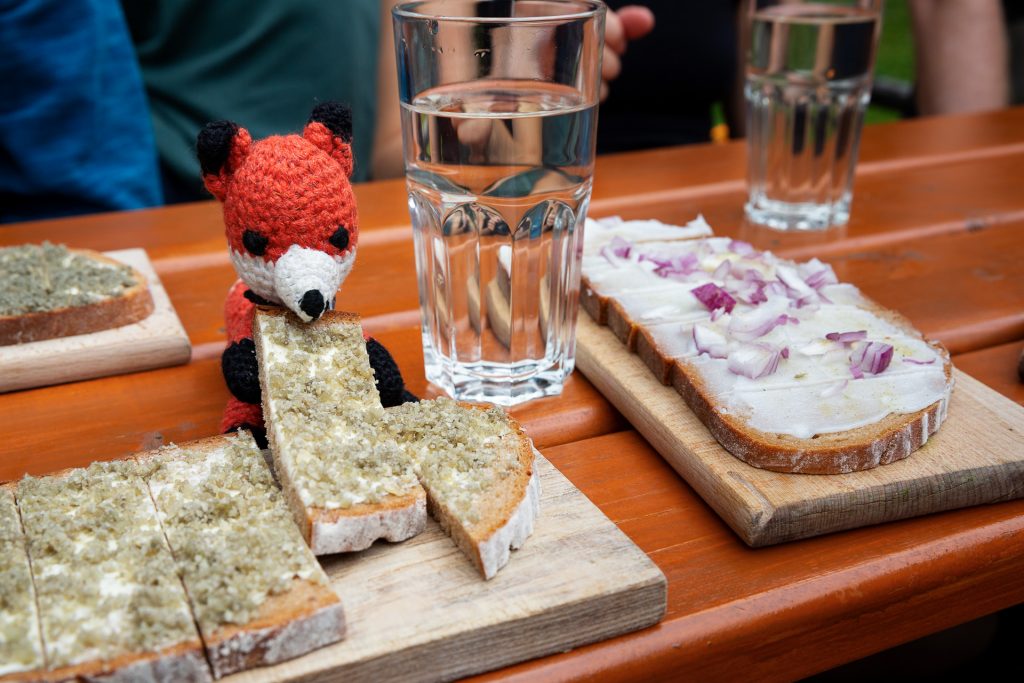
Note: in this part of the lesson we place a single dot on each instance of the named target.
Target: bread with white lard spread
(788, 368)
(346, 481)
(49, 291)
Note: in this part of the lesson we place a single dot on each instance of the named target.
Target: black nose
(312, 303)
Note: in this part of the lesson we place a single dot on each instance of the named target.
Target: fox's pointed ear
(330, 128)
(222, 147)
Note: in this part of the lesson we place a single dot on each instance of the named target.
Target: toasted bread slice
(111, 606)
(21, 649)
(477, 467)
(346, 482)
(811, 408)
(257, 593)
(49, 291)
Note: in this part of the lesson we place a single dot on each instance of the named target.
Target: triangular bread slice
(111, 606)
(60, 292)
(477, 466)
(257, 593)
(346, 482)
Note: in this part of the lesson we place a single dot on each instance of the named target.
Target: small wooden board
(976, 457)
(419, 611)
(156, 342)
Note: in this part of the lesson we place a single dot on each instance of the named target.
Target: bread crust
(135, 304)
(306, 617)
(181, 662)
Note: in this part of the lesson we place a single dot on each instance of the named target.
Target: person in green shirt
(262, 63)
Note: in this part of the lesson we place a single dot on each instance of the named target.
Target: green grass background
(895, 54)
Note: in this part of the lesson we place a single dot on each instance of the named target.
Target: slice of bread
(477, 467)
(49, 291)
(346, 482)
(774, 380)
(21, 649)
(111, 606)
(257, 593)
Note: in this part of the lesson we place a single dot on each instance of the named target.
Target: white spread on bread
(20, 646)
(812, 389)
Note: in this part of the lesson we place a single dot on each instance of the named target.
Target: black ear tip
(336, 116)
(213, 145)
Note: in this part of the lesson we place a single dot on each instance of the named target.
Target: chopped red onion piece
(717, 313)
(722, 271)
(620, 247)
(756, 323)
(713, 296)
(872, 357)
(785, 352)
(847, 337)
(754, 361)
(793, 281)
(741, 248)
(856, 372)
(916, 361)
(834, 389)
(817, 274)
(710, 341)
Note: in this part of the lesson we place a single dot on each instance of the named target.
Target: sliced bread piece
(49, 291)
(111, 606)
(477, 467)
(257, 593)
(346, 481)
(21, 649)
(788, 368)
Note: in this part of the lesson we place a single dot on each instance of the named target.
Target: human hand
(629, 23)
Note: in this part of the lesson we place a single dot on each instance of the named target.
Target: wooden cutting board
(976, 457)
(156, 342)
(419, 611)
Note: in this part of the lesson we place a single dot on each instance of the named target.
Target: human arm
(962, 55)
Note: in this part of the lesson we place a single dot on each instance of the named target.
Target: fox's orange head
(289, 209)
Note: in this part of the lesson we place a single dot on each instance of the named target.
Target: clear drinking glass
(499, 111)
(809, 71)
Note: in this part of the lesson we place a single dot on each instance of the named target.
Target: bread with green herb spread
(477, 466)
(21, 650)
(346, 481)
(256, 591)
(49, 291)
(111, 606)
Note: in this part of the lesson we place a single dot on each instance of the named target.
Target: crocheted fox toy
(292, 229)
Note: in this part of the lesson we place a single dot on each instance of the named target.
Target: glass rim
(405, 10)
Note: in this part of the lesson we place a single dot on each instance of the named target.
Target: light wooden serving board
(155, 342)
(976, 457)
(419, 611)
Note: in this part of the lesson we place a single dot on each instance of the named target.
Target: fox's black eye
(254, 242)
(340, 238)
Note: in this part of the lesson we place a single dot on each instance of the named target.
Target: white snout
(301, 270)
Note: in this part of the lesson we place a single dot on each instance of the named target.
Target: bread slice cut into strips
(789, 369)
(257, 593)
(49, 291)
(477, 466)
(345, 479)
(111, 606)
(21, 649)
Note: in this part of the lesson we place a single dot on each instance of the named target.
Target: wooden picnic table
(937, 232)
